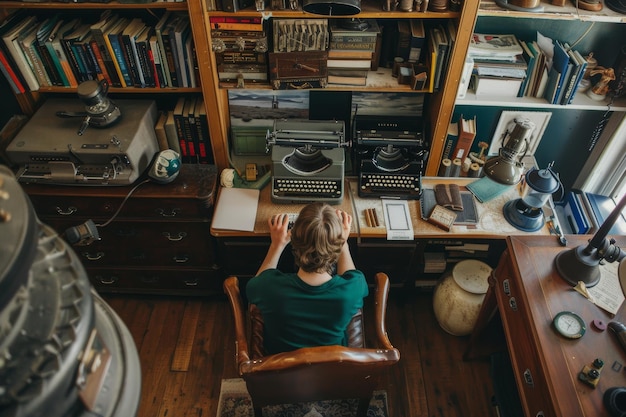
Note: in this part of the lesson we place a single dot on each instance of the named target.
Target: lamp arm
(599, 241)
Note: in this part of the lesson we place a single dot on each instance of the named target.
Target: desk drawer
(152, 281)
(103, 208)
(528, 370)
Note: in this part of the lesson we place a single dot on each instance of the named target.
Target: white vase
(459, 294)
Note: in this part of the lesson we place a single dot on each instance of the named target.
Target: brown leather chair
(314, 373)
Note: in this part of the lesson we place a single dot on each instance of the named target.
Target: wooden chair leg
(364, 405)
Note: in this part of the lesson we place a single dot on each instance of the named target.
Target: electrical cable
(122, 204)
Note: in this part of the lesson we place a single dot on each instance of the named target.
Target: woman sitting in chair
(313, 306)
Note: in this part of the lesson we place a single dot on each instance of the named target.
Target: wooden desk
(491, 223)
(546, 365)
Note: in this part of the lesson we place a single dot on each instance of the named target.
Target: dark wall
(8, 103)
(565, 140)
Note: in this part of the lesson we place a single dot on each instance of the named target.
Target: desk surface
(491, 223)
(553, 362)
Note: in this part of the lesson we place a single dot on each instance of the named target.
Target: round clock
(569, 324)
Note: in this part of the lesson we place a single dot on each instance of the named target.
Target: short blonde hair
(316, 238)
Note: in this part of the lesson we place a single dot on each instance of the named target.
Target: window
(605, 171)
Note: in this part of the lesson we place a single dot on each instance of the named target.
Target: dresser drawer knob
(93, 257)
(67, 212)
(173, 213)
(108, 280)
(181, 259)
(174, 238)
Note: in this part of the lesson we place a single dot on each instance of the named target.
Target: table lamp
(583, 262)
(526, 213)
(507, 167)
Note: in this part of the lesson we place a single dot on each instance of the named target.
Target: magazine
(494, 46)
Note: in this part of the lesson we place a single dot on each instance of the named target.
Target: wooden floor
(186, 347)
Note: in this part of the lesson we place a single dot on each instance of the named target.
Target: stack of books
(240, 45)
(499, 65)
(352, 51)
(38, 52)
(585, 212)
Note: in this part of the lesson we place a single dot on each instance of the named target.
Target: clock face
(569, 324)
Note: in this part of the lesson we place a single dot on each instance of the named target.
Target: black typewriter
(390, 156)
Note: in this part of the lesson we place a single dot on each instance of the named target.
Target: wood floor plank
(184, 342)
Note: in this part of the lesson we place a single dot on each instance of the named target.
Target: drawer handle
(513, 304)
(107, 280)
(528, 378)
(181, 259)
(191, 283)
(181, 236)
(70, 210)
(172, 213)
(90, 257)
(506, 287)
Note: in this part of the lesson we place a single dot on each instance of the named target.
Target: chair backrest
(314, 373)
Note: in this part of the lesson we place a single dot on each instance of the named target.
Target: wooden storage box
(297, 70)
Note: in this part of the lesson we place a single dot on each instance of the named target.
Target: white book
(348, 63)
(10, 39)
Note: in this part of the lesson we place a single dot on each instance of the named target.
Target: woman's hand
(279, 230)
(346, 223)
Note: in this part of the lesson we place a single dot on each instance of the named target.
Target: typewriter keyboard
(390, 185)
(307, 189)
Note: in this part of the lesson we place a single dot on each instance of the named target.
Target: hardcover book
(98, 30)
(466, 135)
(10, 39)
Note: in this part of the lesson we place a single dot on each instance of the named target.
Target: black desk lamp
(582, 263)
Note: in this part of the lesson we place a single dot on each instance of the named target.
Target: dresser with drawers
(153, 238)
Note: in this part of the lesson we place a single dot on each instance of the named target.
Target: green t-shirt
(297, 315)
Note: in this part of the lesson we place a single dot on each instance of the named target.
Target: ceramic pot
(459, 294)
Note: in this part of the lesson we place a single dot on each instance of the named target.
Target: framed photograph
(507, 117)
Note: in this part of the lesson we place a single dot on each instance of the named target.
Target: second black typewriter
(390, 157)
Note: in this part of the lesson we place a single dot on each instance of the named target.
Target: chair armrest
(317, 355)
(231, 288)
(380, 310)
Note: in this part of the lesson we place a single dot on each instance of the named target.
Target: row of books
(503, 65)
(40, 52)
(442, 38)
(185, 129)
(584, 213)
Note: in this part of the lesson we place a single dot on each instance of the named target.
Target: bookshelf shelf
(572, 127)
(552, 12)
(182, 6)
(581, 102)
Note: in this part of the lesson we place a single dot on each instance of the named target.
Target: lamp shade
(332, 8)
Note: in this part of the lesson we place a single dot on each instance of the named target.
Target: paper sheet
(607, 293)
(398, 219)
(236, 209)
